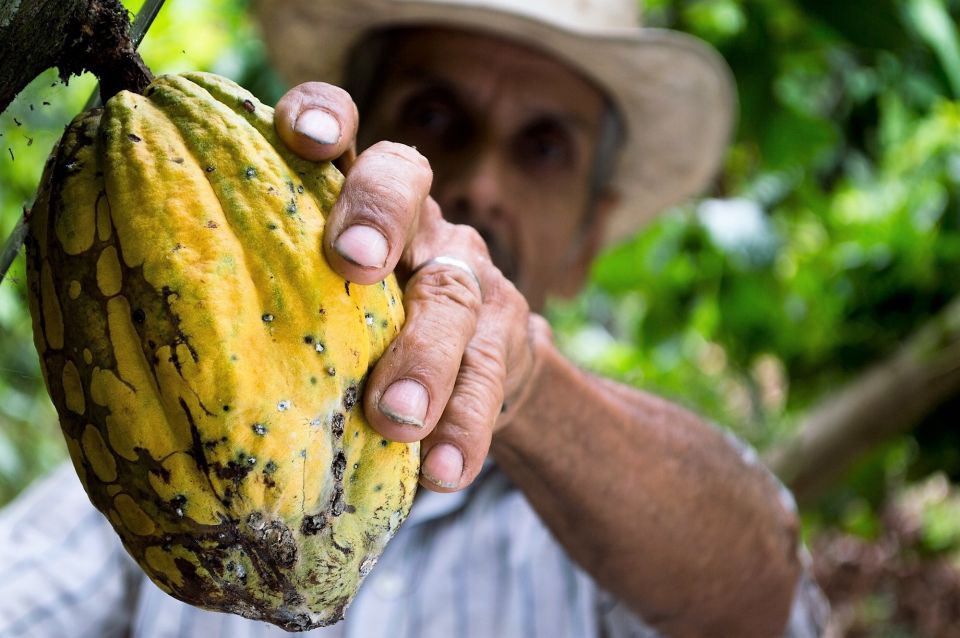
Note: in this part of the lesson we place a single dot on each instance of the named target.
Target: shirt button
(388, 584)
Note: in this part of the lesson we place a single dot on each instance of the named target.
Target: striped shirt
(478, 563)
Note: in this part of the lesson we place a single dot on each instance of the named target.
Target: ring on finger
(454, 262)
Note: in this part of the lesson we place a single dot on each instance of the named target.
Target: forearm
(654, 503)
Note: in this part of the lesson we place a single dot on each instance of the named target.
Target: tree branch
(888, 399)
(72, 35)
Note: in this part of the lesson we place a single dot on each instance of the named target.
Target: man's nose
(473, 191)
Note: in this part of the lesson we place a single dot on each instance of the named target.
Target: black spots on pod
(237, 469)
(226, 408)
(313, 524)
(336, 424)
(331, 371)
(313, 381)
(177, 503)
(350, 397)
(248, 106)
(269, 469)
(271, 226)
(346, 286)
(212, 444)
(339, 465)
(238, 570)
(138, 316)
(384, 443)
(267, 317)
(136, 139)
(368, 319)
(274, 537)
(300, 189)
(176, 160)
(317, 345)
(292, 207)
(337, 506)
(250, 173)
(210, 169)
(260, 429)
(378, 487)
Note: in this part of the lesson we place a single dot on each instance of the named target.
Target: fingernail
(443, 466)
(363, 246)
(319, 126)
(405, 401)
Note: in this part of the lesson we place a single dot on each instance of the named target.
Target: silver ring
(456, 262)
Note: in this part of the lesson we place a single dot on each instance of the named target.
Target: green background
(832, 234)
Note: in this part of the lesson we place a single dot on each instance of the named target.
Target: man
(555, 503)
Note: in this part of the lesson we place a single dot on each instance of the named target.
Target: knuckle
(312, 92)
(432, 353)
(484, 363)
(387, 196)
(404, 153)
(447, 287)
(470, 237)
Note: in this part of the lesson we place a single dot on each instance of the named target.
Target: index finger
(317, 121)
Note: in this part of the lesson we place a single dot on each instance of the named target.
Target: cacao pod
(206, 363)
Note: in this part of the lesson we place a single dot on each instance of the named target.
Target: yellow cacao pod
(206, 363)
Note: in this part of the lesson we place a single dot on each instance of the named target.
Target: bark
(72, 35)
(888, 399)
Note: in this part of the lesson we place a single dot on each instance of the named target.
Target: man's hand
(465, 347)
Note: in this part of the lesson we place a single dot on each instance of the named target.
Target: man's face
(510, 134)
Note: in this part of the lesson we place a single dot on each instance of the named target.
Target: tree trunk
(72, 35)
(888, 399)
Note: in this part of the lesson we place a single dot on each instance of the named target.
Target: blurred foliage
(832, 234)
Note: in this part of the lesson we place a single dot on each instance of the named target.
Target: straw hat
(675, 93)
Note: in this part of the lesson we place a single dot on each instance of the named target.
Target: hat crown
(580, 15)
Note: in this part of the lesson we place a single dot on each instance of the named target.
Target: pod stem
(73, 36)
(103, 46)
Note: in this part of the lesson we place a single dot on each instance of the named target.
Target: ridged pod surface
(206, 362)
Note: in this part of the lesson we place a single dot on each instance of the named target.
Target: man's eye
(428, 116)
(545, 147)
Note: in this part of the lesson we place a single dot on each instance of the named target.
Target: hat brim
(676, 94)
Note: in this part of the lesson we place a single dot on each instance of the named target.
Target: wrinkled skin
(633, 486)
